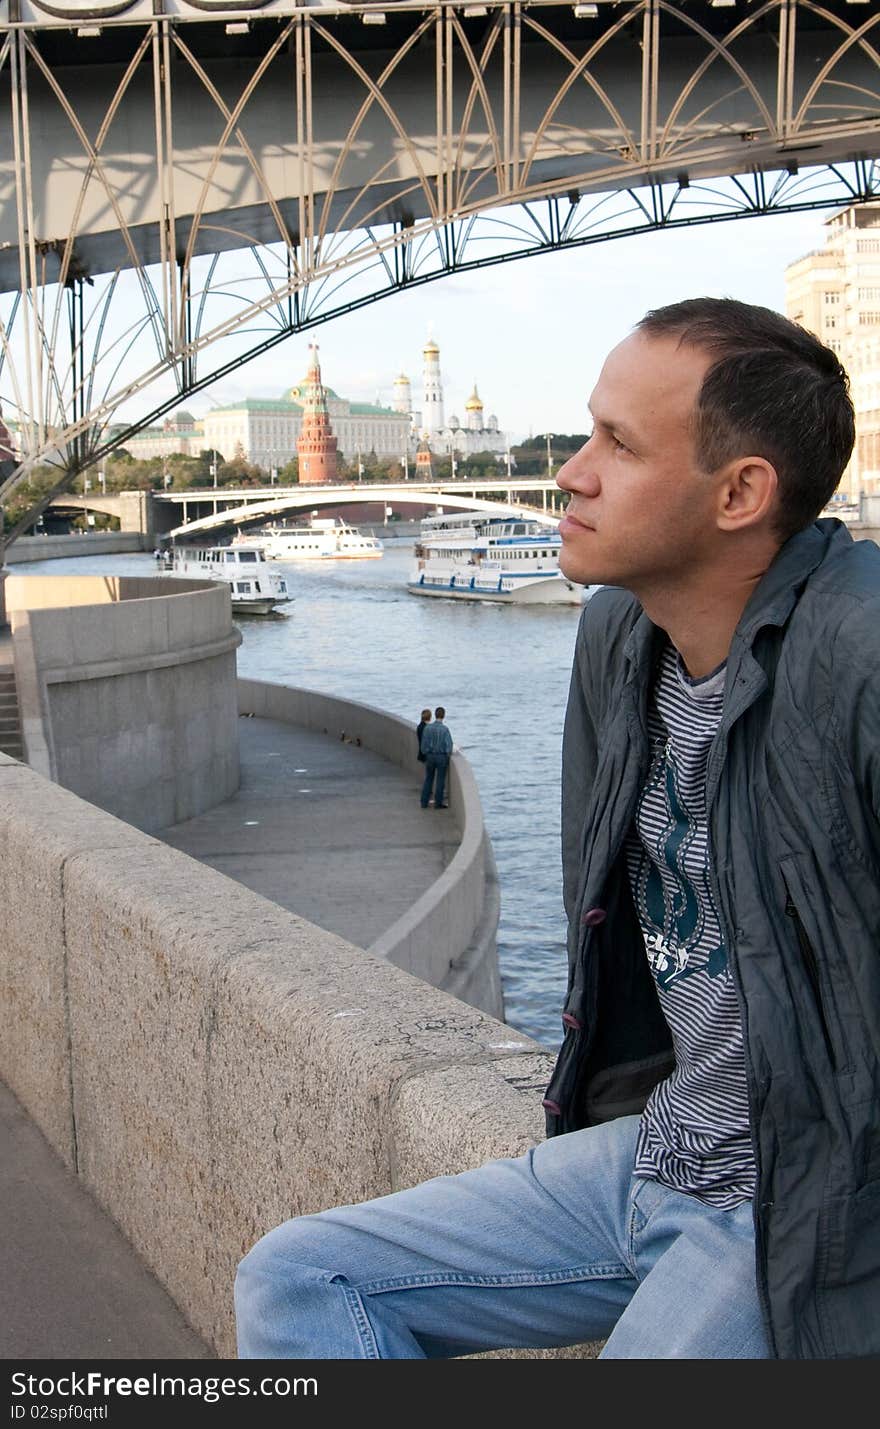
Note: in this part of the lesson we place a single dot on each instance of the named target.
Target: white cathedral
(265, 430)
(479, 433)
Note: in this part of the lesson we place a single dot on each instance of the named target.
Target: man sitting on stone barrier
(710, 1185)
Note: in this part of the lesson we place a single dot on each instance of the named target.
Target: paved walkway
(71, 1286)
(325, 828)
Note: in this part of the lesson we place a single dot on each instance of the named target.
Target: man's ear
(747, 492)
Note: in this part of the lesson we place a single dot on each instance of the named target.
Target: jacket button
(552, 1106)
(593, 917)
(571, 1021)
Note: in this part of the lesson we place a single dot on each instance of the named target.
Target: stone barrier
(126, 690)
(447, 936)
(94, 543)
(210, 1064)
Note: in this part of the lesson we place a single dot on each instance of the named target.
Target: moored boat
(512, 560)
(253, 588)
(320, 539)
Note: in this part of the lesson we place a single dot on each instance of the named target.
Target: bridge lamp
(722, 4)
(374, 17)
(474, 12)
(586, 12)
(238, 27)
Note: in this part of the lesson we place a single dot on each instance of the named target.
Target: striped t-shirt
(694, 1132)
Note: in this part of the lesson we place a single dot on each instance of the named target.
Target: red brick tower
(316, 444)
(424, 461)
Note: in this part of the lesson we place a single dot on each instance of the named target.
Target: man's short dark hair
(774, 390)
(439, 712)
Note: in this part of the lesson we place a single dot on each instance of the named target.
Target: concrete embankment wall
(95, 543)
(210, 1064)
(447, 937)
(126, 689)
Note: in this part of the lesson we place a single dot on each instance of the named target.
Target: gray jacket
(793, 796)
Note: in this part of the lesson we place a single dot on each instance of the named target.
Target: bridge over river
(206, 509)
(183, 187)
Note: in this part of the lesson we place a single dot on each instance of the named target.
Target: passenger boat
(507, 559)
(320, 539)
(254, 589)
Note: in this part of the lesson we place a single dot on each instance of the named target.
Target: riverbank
(91, 543)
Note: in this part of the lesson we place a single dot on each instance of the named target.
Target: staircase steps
(10, 725)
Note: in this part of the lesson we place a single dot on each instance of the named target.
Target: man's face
(640, 509)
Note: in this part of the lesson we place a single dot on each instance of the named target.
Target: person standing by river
(420, 729)
(436, 746)
(710, 1184)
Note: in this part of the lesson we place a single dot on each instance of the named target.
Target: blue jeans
(556, 1247)
(435, 764)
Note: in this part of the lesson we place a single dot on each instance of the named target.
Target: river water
(502, 673)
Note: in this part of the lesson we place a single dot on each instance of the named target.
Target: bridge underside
(170, 139)
(175, 199)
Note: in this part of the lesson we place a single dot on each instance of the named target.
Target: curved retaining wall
(92, 543)
(448, 935)
(126, 689)
(210, 1064)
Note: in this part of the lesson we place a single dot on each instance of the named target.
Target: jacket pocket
(795, 910)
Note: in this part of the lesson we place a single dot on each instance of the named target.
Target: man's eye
(619, 445)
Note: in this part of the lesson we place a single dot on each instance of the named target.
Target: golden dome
(473, 403)
(430, 346)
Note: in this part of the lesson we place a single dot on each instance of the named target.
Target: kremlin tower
(433, 421)
(424, 462)
(316, 444)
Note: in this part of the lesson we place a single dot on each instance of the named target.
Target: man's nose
(578, 474)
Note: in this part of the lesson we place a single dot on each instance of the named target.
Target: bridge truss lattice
(308, 164)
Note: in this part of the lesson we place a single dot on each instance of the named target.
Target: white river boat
(320, 539)
(507, 559)
(254, 588)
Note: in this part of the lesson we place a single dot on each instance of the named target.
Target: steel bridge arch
(532, 131)
(354, 496)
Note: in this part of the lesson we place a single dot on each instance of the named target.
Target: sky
(532, 333)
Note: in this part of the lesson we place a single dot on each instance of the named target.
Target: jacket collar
(771, 603)
(773, 599)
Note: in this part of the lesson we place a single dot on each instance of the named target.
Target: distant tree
(570, 442)
(27, 494)
(482, 464)
(241, 472)
(531, 455)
